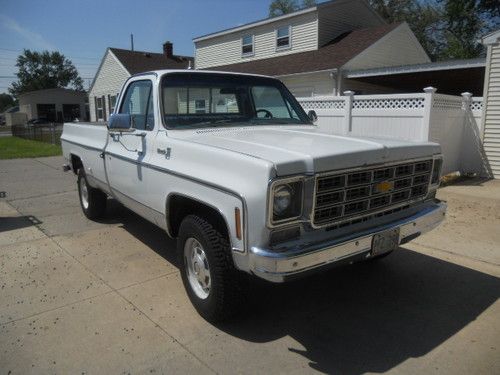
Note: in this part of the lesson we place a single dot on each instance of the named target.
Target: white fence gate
(452, 121)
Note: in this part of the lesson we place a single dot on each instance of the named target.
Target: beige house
(312, 50)
(491, 103)
(55, 105)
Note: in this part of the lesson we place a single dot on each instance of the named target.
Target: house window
(99, 109)
(283, 37)
(247, 45)
(200, 106)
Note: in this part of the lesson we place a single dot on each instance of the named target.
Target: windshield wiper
(216, 122)
(272, 122)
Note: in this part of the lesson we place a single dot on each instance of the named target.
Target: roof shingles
(138, 62)
(333, 55)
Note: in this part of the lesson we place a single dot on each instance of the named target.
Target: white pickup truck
(232, 166)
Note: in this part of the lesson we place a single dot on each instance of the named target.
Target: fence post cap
(348, 93)
(430, 90)
(466, 95)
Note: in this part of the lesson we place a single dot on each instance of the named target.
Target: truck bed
(89, 134)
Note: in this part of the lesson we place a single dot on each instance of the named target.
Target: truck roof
(170, 71)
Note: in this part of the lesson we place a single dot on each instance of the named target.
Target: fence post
(467, 160)
(466, 100)
(429, 100)
(349, 98)
(53, 133)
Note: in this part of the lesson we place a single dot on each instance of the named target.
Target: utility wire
(70, 57)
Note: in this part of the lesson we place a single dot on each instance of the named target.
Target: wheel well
(76, 163)
(178, 207)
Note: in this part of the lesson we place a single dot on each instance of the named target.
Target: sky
(82, 30)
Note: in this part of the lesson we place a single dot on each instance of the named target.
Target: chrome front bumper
(280, 266)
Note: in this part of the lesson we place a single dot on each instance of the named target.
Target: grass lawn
(14, 147)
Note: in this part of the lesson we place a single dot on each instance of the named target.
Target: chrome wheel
(84, 193)
(198, 270)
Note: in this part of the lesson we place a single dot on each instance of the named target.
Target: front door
(126, 151)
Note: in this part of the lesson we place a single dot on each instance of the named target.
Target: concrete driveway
(84, 297)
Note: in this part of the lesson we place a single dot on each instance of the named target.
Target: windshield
(213, 99)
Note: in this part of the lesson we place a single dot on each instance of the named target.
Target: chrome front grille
(341, 197)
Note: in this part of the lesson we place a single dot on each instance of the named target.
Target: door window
(138, 102)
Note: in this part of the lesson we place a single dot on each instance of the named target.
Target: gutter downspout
(336, 76)
(340, 82)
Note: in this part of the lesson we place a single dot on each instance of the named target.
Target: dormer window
(247, 45)
(283, 37)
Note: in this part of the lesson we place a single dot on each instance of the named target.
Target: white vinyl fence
(452, 121)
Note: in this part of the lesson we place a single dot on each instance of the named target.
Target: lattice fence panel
(402, 103)
(322, 104)
(446, 104)
(476, 105)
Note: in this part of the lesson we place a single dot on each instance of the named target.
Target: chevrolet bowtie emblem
(384, 186)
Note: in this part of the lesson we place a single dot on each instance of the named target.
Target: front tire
(376, 258)
(212, 283)
(92, 200)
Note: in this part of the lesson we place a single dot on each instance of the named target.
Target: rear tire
(214, 286)
(92, 200)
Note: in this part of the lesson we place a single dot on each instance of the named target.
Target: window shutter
(109, 101)
(104, 108)
(95, 107)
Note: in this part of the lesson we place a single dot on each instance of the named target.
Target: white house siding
(311, 84)
(492, 110)
(226, 49)
(342, 16)
(109, 81)
(399, 47)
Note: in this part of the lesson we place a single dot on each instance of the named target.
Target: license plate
(385, 241)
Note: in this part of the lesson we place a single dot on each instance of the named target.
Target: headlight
(282, 199)
(436, 171)
(286, 201)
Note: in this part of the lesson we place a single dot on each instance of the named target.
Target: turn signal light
(237, 222)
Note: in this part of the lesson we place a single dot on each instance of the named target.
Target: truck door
(127, 151)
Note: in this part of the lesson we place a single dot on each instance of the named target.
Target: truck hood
(306, 150)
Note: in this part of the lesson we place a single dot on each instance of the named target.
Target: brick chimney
(168, 49)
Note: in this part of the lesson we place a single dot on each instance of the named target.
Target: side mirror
(312, 116)
(120, 122)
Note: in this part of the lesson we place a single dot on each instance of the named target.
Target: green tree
(462, 30)
(280, 7)
(44, 70)
(447, 29)
(6, 101)
(423, 19)
(308, 3)
(490, 6)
